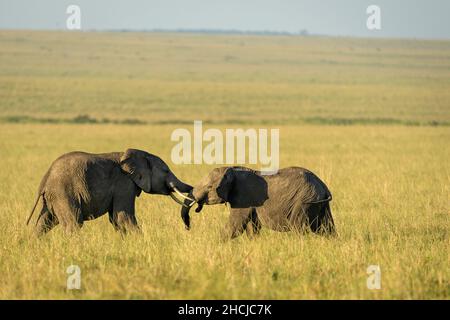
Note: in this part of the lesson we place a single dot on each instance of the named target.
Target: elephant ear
(135, 163)
(226, 184)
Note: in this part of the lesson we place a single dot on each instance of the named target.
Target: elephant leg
(298, 220)
(237, 223)
(320, 220)
(45, 222)
(326, 222)
(309, 217)
(254, 225)
(123, 222)
(314, 217)
(122, 215)
(68, 214)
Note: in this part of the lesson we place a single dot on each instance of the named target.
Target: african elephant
(291, 199)
(83, 186)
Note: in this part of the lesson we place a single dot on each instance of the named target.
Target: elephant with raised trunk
(292, 199)
(83, 186)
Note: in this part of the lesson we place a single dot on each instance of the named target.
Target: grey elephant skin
(82, 186)
(292, 199)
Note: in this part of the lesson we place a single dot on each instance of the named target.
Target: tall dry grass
(390, 206)
(389, 178)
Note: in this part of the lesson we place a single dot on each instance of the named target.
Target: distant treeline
(86, 119)
(303, 32)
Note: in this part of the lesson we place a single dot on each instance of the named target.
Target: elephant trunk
(175, 184)
(178, 187)
(187, 205)
(185, 212)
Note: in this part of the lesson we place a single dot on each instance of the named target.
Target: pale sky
(399, 18)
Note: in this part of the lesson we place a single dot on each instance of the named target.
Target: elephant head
(239, 186)
(152, 175)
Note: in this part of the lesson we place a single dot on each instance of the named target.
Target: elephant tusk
(192, 203)
(182, 195)
(178, 201)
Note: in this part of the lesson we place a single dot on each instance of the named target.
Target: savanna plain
(370, 117)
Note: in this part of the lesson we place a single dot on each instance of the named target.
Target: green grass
(370, 117)
(151, 76)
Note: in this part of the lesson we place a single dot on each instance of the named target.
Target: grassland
(368, 116)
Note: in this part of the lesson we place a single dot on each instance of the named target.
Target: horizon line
(219, 31)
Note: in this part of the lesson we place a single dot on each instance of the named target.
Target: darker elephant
(82, 186)
(292, 199)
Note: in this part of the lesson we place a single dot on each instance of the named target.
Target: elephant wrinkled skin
(82, 186)
(292, 199)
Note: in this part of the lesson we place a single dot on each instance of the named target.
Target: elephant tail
(35, 205)
(320, 201)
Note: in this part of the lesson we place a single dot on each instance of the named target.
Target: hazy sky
(399, 18)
